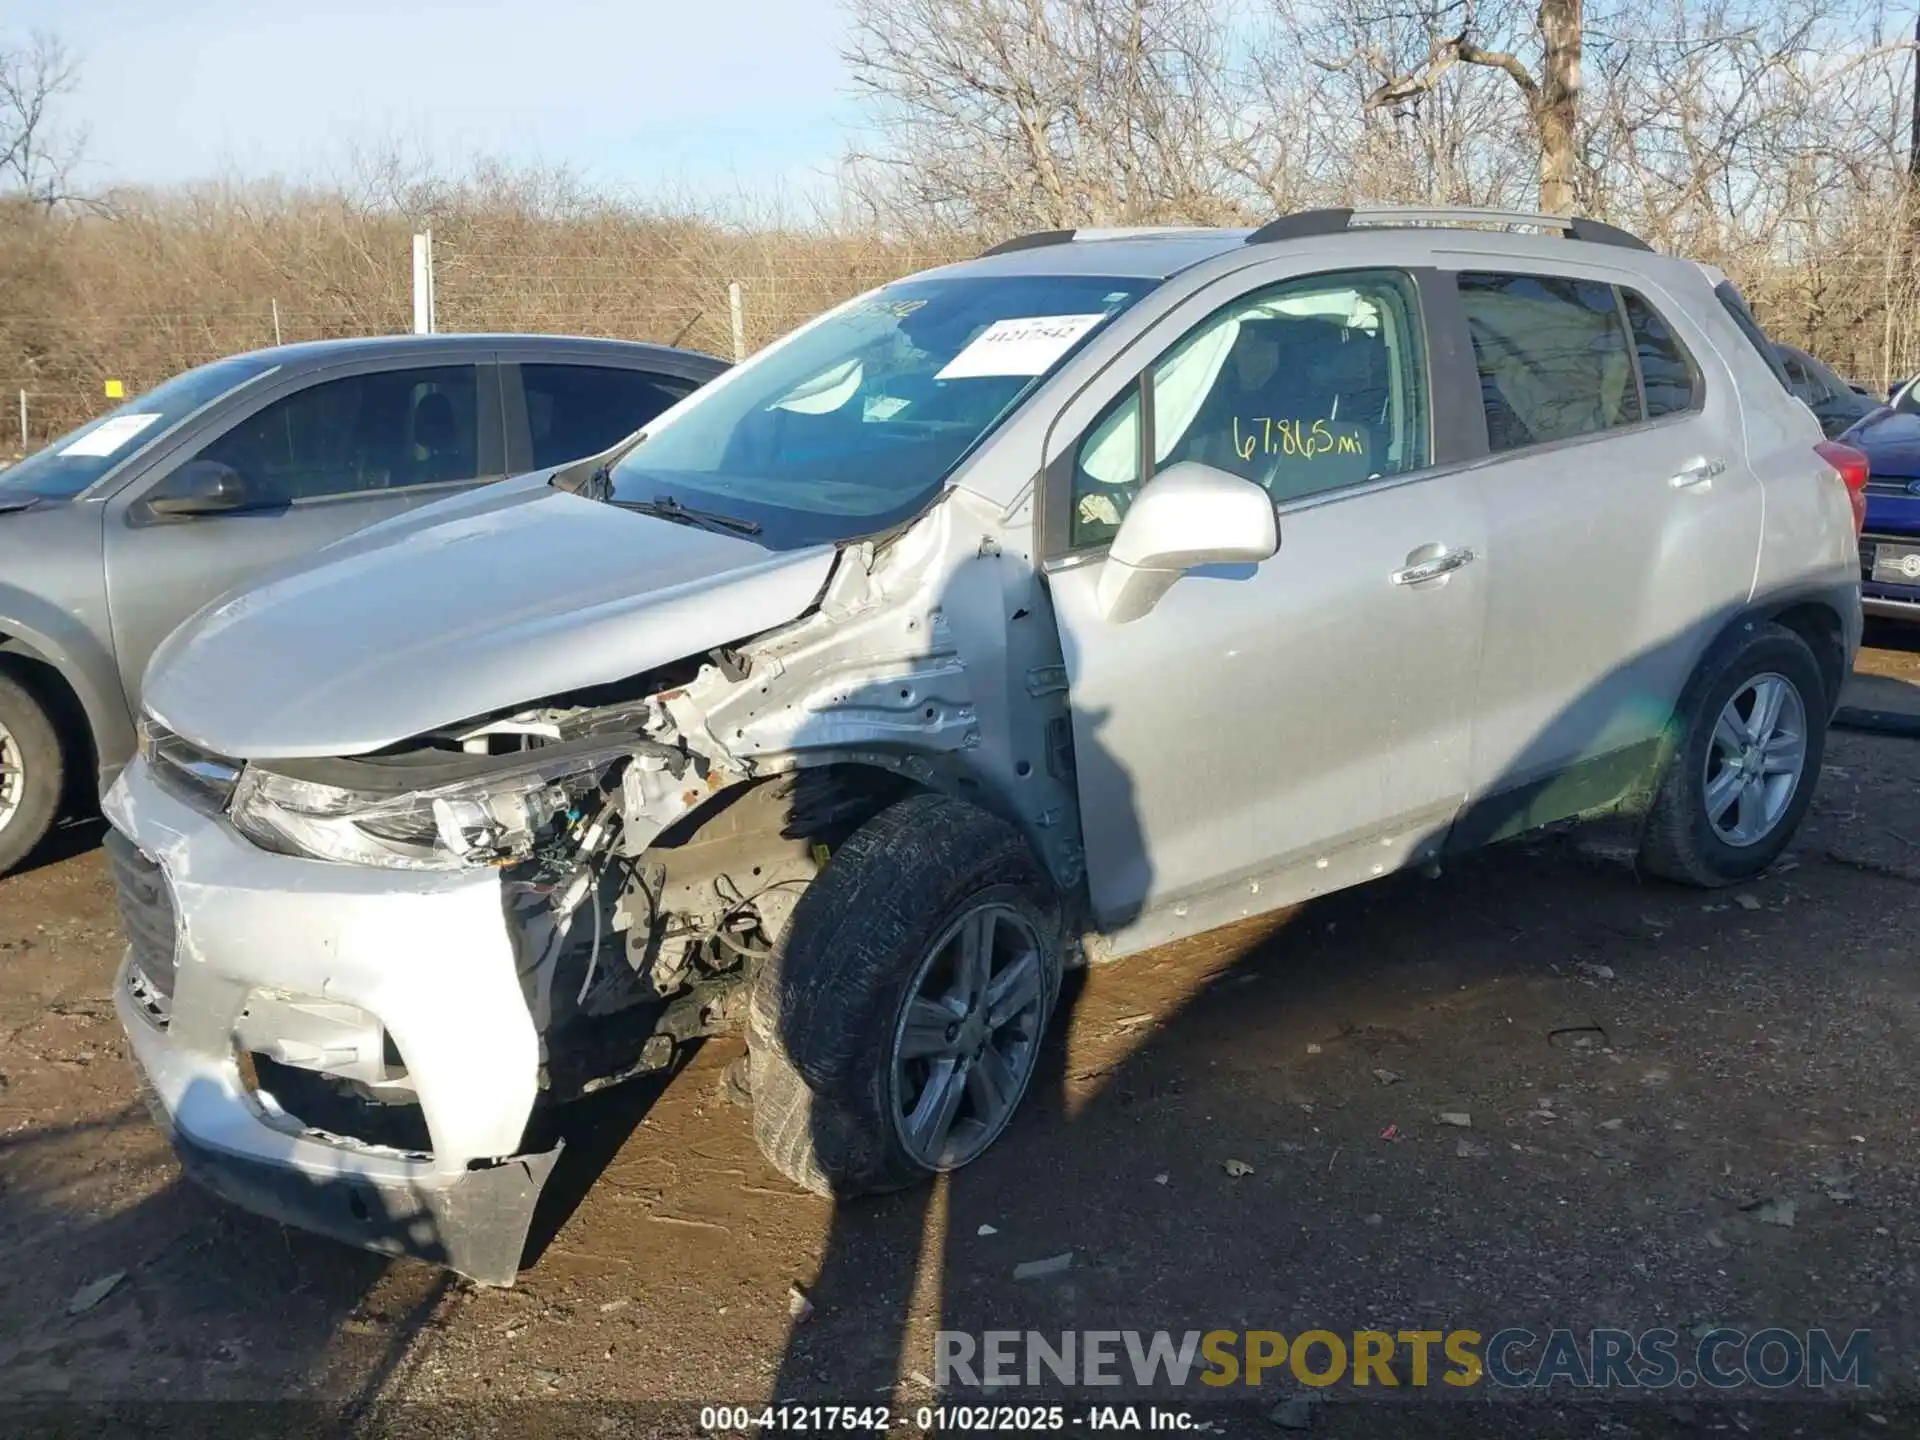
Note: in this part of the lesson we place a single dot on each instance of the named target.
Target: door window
(1670, 381)
(377, 431)
(1302, 387)
(579, 410)
(1553, 357)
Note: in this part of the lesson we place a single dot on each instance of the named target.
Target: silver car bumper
(345, 960)
(1890, 609)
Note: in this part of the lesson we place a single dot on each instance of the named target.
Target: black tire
(826, 1006)
(43, 772)
(1678, 841)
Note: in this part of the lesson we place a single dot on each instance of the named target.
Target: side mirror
(1186, 516)
(201, 487)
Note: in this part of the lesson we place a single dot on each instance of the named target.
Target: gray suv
(113, 534)
(1057, 604)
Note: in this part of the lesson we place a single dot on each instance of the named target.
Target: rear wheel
(31, 773)
(899, 1023)
(1740, 770)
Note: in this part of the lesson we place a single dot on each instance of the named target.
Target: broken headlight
(484, 820)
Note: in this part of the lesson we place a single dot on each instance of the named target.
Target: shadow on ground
(1647, 1074)
(74, 835)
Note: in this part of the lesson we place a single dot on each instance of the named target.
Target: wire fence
(680, 297)
(673, 297)
(1859, 311)
(129, 351)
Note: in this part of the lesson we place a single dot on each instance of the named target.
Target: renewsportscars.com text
(1512, 1358)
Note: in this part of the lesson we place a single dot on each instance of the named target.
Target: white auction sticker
(109, 435)
(1026, 346)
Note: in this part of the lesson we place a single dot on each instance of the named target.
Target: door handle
(1444, 563)
(1697, 473)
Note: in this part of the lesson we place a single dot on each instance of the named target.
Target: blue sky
(714, 95)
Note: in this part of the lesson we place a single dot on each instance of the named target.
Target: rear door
(1623, 529)
(321, 455)
(1274, 731)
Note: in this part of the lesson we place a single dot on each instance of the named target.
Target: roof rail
(1029, 242)
(1338, 220)
(1085, 232)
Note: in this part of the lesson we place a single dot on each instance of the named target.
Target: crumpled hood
(488, 601)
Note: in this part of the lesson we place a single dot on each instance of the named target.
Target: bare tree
(1770, 137)
(1552, 98)
(1458, 138)
(36, 157)
(1001, 114)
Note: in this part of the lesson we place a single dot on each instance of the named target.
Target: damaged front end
(355, 1018)
(631, 930)
(612, 867)
(653, 836)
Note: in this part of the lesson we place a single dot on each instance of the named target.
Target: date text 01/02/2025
(991, 1419)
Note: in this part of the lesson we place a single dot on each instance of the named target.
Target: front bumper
(475, 1225)
(1890, 603)
(427, 955)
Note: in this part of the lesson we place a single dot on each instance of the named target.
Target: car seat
(436, 441)
(1323, 389)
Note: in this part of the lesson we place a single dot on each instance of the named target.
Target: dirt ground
(1655, 1079)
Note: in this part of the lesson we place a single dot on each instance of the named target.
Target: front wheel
(900, 1021)
(1740, 769)
(31, 773)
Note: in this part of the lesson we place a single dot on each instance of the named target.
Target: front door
(1272, 732)
(317, 462)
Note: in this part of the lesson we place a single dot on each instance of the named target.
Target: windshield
(851, 425)
(80, 457)
(1907, 398)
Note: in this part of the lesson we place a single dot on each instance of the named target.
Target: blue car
(1890, 544)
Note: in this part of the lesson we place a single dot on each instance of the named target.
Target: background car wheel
(1741, 767)
(900, 1020)
(31, 773)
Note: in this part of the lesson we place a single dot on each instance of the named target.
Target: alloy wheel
(13, 777)
(968, 1037)
(1754, 759)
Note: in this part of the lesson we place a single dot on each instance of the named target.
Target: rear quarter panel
(1807, 540)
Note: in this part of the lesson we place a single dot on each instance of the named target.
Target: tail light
(1853, 468)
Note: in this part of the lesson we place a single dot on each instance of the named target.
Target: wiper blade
(668, 508)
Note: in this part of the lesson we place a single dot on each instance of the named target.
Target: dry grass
(149, 285)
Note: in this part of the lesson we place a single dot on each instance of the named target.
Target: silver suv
(1061, 603)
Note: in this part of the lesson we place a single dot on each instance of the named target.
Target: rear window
(1670, 381)
(1826, 385)
(1554, 357)
(1750, 327)
(579, 410)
